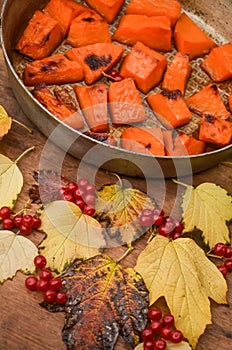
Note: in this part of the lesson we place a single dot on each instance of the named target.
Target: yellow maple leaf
(207, 207)
(5, 122)
(179, 271)
(69, 234)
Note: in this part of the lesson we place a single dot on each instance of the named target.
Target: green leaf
(180, 271)
(16, 253)
(207, 207)
(120, 208)
(5, 122)
(69, 234)
(11, 181)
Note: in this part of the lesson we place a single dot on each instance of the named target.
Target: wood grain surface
(24, 325)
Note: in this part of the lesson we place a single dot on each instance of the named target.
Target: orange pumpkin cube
(107, 8)
(215, 131)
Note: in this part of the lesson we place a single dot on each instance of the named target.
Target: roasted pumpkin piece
(64, 11)
(169, 8)
(93, 102)
(56, 107)
(177, 74)
(40, 38)
(208, 100)
(143, 140)
(155, 31)
(145, 66)
(125, 103)
(170, 108)
(64, 96)
(187, 145)
(96, 59)
(55, 69)
(104, 137)
(190, 39)
(218, 64)
(107, 8)
(215, 131)
(88, 28)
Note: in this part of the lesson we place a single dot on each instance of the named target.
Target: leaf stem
(22, 125)
(209, 255)
(130, 248)
(180, 183)
(24, 153)
(117, 176)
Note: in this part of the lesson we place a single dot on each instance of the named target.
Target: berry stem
(108, 76)
(24, 153)
(209, 255)
(22, 125)
(129, 249)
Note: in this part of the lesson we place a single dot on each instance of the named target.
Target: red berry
(156, 326)
(61, 298)
(175, 235)
(80, 203)
(25, 230)
(27, 220)
(90, 199)
(147, 334)
(50, 296)
(71, 187)
(145, 221)
(7, 223)
(114, 73)
(68, 197)
(220, 249)
(160, 344)
(164, 230)
(55, 283)
(148, 345)
(17, 220)
(158, 220)
(179, 226)
(82, 183)
(222, 269)
(154, 314)
(228, 264)
(176, 337)
(45, 275)
(88, 210)
(5, 212)
(42, 285)
(31, 282)
(40, 261)
(78, 194)
(62, 191)
(158, 211)
(36, 222)
(166, 332)
(168, 320)
(90, 189)
(228, 252)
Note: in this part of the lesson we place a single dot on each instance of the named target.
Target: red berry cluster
(225, 251)
(166, 225)
(159, 330)
(46, 283)
(82, 193)
(25, 223)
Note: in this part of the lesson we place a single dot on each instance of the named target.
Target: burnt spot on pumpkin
(45, 39)
(88, 19)
(51, 66)
(172, 95)
(209, 118)
(95, 62)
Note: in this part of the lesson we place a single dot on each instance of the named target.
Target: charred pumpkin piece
(154, 32)
(218, 64)
(177, 74)
(40, 38)
(215, 131)
(63, 95)
(190, 39)
(104, 137)
(57, 108)
(96, 59)
(170, 108)
(208, 100)
(125, 103)
(55, 69)
(88, 28)
(64, 11)
(145, 66)
(143, 140)
(93, 102)
(169, 8)
(107, 8)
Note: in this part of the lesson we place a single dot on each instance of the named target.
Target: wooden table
(24, 325)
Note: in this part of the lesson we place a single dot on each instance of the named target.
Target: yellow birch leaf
(5, 122)
(70, 234)
(120, 208)
(16, 253)
(207, 207)
(180, 271)
(170, 346)
(11, 181)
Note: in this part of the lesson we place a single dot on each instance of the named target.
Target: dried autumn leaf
(170, 346)
(207, 207)
(120, 209)
(180, 271)
(69, 234)
(5, 122)
(104, 300)
(16, 253)
(11, 181)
